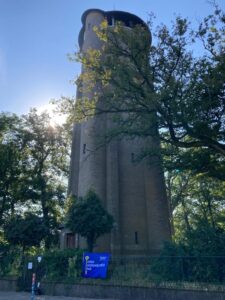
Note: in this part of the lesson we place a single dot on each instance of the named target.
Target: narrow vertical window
(89, 26)
(84, 148)
(136, 238)
(132, 157)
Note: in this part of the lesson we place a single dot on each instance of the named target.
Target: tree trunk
(90, 243)
(186, 220)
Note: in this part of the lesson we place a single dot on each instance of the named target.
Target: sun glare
(56, 118)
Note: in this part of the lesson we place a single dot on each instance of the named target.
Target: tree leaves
(87, 217)
(34, 165)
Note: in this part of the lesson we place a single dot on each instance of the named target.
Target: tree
(197, 258)
(34, 165)
(161, 86)
(195, 200)
(197, 209)
(11, 171)
(87, 217)
(25, 231)
(46, 160)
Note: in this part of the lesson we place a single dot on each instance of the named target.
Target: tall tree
(195, 199)
(165, 84)
(11, 172)
(33, 170)
(46, 163)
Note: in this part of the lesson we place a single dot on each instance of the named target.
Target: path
(27, 296)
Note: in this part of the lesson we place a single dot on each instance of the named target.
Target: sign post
(33, 287)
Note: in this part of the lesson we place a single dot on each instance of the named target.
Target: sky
(37, 35)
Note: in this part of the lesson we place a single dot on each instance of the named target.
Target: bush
(62, 264)
(168, 266)
(9, 259)
(198, 257)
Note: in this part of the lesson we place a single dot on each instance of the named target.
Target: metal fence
(209, 269)
(142, 271)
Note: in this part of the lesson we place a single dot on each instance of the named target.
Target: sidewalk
(27, 296)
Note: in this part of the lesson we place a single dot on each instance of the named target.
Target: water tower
(134, 193)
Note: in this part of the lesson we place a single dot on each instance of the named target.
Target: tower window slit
(132, 157)
(84, 148)
(136, 237)
(110, 21)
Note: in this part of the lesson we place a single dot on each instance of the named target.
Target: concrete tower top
(128, 19)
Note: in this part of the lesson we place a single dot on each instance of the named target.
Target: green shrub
(168, 266)
(9, 259)
(198, 257)
(62, 264)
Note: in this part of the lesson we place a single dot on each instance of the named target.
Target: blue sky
(37, 35)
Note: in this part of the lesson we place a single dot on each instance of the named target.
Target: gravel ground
(27, 296)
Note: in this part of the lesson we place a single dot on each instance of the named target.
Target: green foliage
(169, 265)
(193, 199)
(11, 172)
(198, 257)
(10, 257)
(25, 232)
(34, 164)
(4, 257)
(161, 87)
(205, 239)
(62, 264)
(9, 261)
(87, 217)
(197, 206)
(46, 160)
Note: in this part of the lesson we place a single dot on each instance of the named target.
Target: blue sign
(95, 265)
